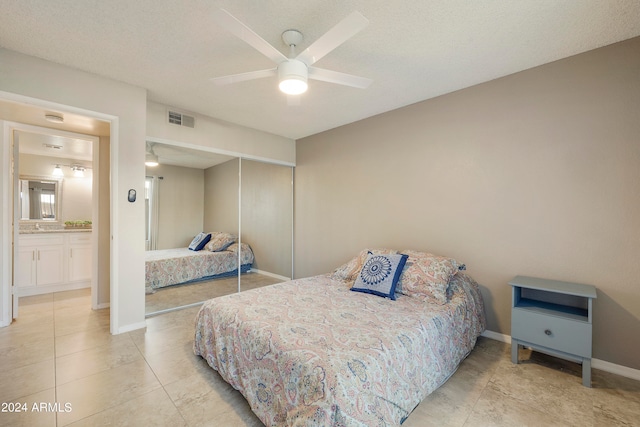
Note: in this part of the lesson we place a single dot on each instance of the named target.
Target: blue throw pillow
(380, 275)
(199, 241)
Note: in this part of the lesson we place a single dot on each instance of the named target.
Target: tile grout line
(158, 379)
(96, 373)
(473, 407)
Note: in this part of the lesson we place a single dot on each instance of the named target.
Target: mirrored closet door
(247, 207)
(266, 225)
(195, 192)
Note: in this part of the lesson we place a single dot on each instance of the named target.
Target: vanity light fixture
(54, 118)
(78, 171)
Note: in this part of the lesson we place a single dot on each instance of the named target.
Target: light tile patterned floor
(60, 350)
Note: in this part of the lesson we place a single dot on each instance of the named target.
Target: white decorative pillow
(380, 275)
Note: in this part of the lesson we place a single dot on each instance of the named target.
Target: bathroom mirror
(40, 198)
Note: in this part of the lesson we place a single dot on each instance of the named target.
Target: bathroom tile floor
(60, 352)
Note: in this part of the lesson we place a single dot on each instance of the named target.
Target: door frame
(95, 188)
(6, 215)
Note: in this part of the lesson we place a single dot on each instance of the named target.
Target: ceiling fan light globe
(151, 160)
(293, 86)
(292, 75)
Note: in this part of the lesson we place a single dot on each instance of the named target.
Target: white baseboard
(496, 336)
(103, 305)
(132, 327)
(266, 273)
(612, 368)
(38, 290)
(603, 365)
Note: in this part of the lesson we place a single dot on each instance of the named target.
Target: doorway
(55, 206)
(19, 113)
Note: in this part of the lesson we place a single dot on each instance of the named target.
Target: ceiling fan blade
(333, 38)
(251, 75)
(339, 78)
(237, 28)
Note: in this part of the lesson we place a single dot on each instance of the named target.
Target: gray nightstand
(553, 317)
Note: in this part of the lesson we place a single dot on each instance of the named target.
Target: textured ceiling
(413, 50)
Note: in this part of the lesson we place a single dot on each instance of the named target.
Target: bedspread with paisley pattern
(311, 352)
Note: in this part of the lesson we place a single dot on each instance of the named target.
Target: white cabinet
(53, 262)
(40, 260)
(50, 265)
(79, 257)
(26, 267)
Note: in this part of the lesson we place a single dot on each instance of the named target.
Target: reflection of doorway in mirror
(151, 212)
(25, 206)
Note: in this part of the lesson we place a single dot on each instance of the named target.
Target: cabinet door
(26, 267)
(79, 263)
(50, 262)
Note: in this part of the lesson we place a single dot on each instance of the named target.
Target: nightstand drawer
(556, 333)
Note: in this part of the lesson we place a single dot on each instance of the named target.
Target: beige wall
(224, 137)
(31, 80)
(180, 204)
(267, 215)
(221, 197)
(536, 173)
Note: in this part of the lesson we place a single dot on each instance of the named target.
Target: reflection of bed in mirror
(168, 267)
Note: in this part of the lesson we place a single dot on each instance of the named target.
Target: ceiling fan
(294, 71)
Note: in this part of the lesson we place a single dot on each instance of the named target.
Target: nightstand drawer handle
(547, 331)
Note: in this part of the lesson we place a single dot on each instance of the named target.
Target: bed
(311, 352)
(168, 267)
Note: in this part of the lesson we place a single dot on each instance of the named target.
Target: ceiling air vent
(181, 119)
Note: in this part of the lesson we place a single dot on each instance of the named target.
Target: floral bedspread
(168, 267)
(312, 352)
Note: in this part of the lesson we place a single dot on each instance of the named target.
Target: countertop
(54, 230)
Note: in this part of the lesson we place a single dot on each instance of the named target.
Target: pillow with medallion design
(379, 275)
(199, 241)
(349, 271)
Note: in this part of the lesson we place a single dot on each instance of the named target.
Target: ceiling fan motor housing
(292, 75)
